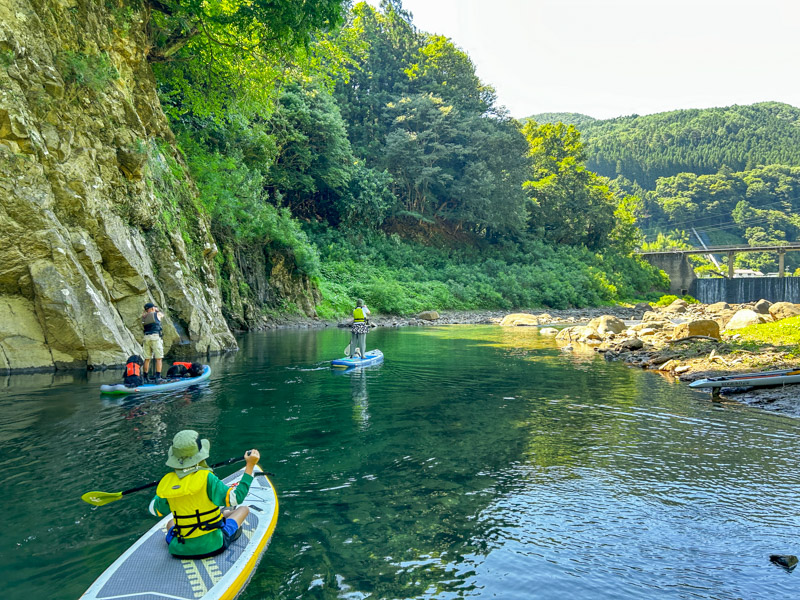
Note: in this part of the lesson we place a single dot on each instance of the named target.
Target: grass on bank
(783, 335)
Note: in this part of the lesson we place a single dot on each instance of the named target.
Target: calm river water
(476, 461)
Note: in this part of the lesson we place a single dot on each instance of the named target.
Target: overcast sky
(607, 58)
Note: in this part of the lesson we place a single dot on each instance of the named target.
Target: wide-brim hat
(187, 450)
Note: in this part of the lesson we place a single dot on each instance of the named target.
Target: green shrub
(401, 277)
(670, 298)
(666, 300)
(91, 71)
(233, 195)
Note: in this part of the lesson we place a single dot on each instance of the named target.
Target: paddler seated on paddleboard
(193, 494)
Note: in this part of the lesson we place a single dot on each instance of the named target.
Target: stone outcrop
(95, 216)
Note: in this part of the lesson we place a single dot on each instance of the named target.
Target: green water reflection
(475, 462)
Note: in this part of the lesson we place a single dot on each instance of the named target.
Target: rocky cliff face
(96, 214)
(257, 282)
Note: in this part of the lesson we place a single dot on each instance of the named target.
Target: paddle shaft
(230, 461)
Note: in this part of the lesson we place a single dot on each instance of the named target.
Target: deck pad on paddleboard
(168, 384)
(147, 571)
(372, 357)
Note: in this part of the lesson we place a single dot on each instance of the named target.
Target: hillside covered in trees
(731, 175)
(701, 141)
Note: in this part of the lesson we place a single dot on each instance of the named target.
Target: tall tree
(569, 204)
(208, 54)
(314, 162)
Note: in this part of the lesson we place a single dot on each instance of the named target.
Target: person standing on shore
(359, 329)
(153, 344)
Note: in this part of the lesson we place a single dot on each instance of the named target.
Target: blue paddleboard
(167, 384)
(372, 357)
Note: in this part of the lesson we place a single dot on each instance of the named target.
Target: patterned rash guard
(359, 328)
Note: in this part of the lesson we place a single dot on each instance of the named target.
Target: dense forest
(701, 141)
(728, 175)
(372, 154)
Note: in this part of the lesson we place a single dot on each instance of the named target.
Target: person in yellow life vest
(359, 329)
(207, 515)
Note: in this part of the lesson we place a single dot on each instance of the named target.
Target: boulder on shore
(718, 307)
(428, 315)
(607, 324)
(744, 318)
(652, 316)
(699, 327)
(784, 310)
(520, 320)
(577, 333)
(762, 307)
(677, 306)
(632, 344)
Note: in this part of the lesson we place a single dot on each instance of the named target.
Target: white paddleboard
(147, 571)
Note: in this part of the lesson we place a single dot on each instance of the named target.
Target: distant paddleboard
(146, 388)
(373, 357)
(147, 571)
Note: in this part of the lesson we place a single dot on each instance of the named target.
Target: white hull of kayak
(750, 379)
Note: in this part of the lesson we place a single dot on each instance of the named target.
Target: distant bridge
(681, 274)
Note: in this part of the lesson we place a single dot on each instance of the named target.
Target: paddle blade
(101, 498)
(347, 350)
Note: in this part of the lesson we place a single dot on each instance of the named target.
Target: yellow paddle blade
(101, 498)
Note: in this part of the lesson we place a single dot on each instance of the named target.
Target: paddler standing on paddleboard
(153, 344)
(359, 330)
(194, 495)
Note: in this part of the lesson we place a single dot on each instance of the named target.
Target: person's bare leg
(238, 514)
(146, 367)
(158, 367)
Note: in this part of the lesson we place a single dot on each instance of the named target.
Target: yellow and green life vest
(194, 513)
(358, 315)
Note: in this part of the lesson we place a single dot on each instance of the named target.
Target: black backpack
(196, 370)
(177, 371)
(133, 371)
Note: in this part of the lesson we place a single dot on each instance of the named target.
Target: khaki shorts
(153, 346)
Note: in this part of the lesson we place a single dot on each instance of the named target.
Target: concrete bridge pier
(676, 265)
